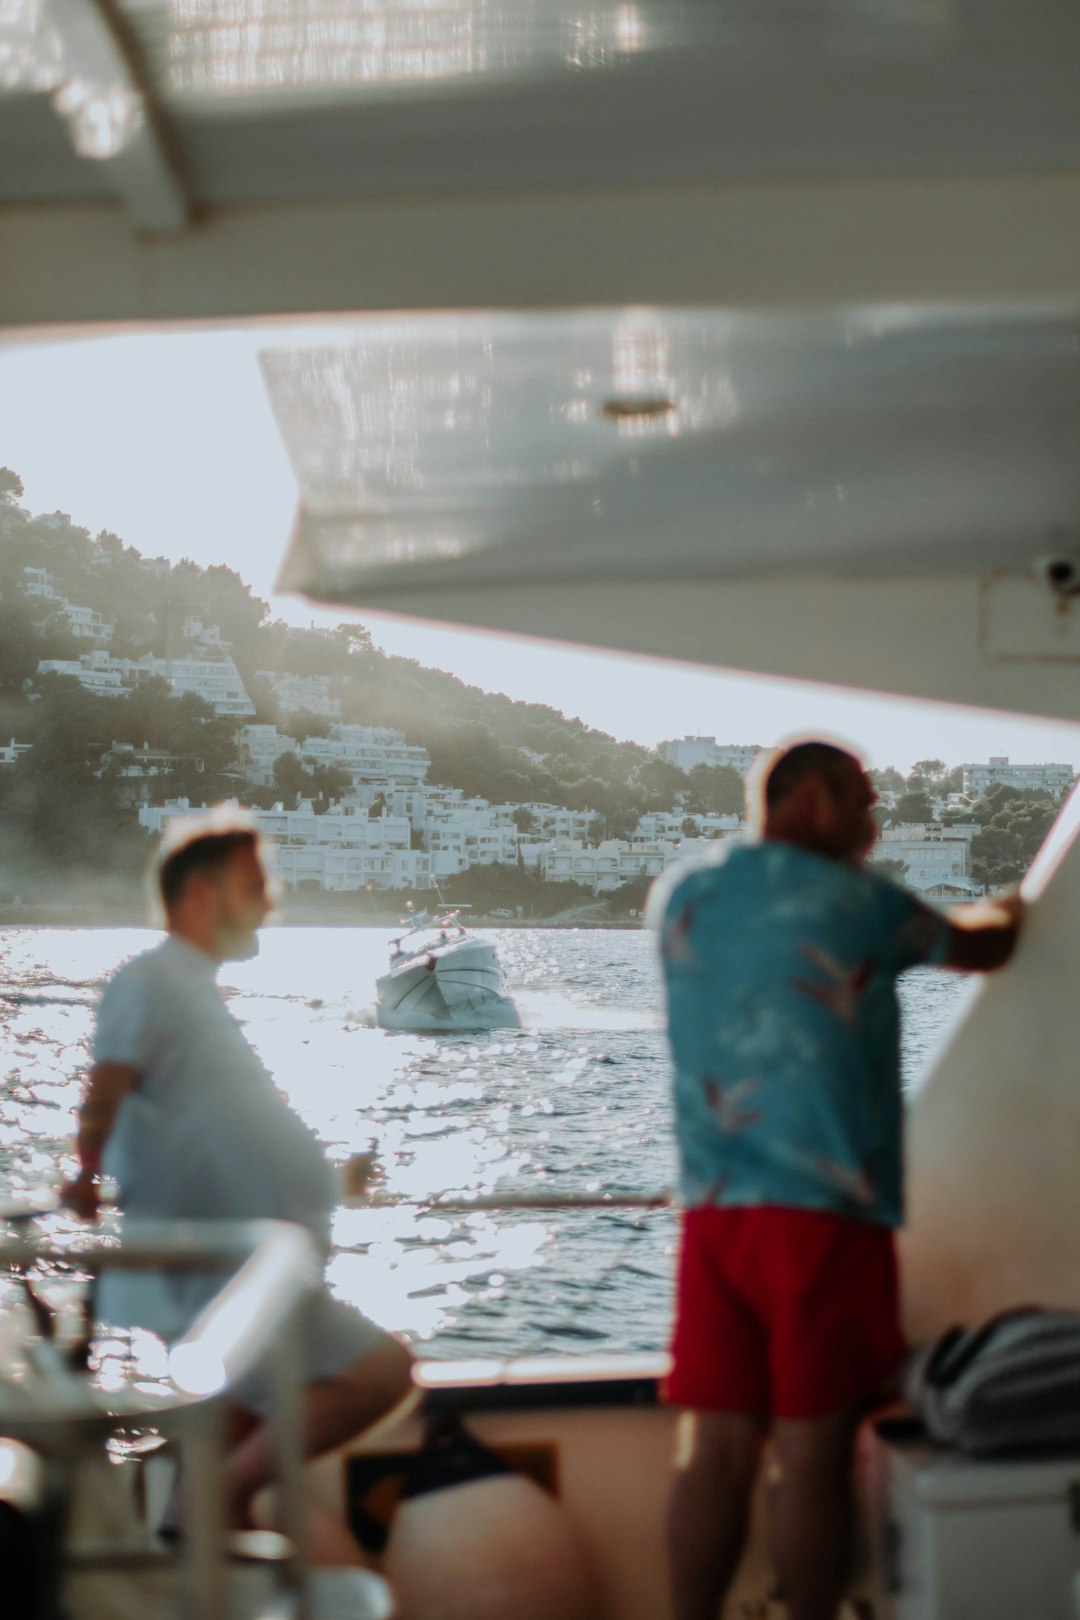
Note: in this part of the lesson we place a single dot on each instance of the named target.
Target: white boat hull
(454, 986)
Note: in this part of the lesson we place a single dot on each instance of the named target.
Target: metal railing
(62, 1416)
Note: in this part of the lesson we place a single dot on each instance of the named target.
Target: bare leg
(709, 1508)
(335, 1410)
(811, 1511)
(328, 1540)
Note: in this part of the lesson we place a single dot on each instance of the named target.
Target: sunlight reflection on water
(575, 1099)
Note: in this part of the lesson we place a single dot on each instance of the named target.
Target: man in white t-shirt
(182, 1113)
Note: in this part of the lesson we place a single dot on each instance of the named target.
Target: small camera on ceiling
(1061, 574)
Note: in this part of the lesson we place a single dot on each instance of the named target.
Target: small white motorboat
(443, 977)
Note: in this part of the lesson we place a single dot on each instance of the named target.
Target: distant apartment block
(999, 770)
(376, 757)
(215, 680)
(335, 851)
(295, 692)
(258, 750)
(610, 863)
(937, 860)
(686, 752)
(668, 824)
(370, 753)
(96, 671)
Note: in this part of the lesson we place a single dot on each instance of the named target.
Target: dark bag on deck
(1012, 1385)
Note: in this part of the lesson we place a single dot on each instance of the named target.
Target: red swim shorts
(791, 1313)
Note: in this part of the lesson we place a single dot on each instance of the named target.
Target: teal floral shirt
(781, 970)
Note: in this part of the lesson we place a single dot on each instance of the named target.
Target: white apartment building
(474, 845)
(87, 624)
(217, 680)
(340, 870)
(556, 821)
(937, 859)
(369, 753)
(610, 864)
(669, 824)
(686, 752)
(95, 671)
(999, 769)
(376, 757)
(300, 826)
(258, 750)
(463, 832)
(336, 851)
(311, 692)
(39, 582)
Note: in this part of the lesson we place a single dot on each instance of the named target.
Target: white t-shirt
(204, 1135)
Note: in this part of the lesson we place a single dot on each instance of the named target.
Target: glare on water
(575, 1100)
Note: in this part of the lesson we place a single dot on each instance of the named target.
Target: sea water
(576, 1100)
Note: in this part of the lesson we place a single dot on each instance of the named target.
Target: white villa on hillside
(217, 680)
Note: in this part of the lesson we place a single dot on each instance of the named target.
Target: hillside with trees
(60, 822)
(57, 809)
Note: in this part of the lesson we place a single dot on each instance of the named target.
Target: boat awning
(866, 496)
(219, 159)
(765, 314)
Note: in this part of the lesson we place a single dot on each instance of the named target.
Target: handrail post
(202, 1485)
(286, 1433)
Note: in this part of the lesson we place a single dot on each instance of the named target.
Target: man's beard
(236, 941)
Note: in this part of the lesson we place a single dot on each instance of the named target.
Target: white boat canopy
(868, 496)
(766, 333)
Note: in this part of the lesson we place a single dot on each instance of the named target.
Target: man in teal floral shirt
(781, 960)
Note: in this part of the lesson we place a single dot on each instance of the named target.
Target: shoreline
(59, 915)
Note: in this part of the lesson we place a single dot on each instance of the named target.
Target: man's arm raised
(109, 1084)
(984, 937)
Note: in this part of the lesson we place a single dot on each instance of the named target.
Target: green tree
(889, 780)
(661, 781)
(523, 819)
(887, 867)
(18, 647)
(716, 790)
(913, 807)
(290, 775)
(1014, 824)
(11, 487)
(303, 723)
